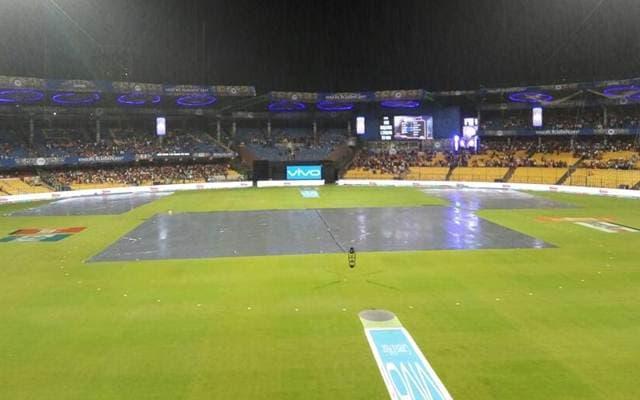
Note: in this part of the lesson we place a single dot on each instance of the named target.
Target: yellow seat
(618, 155)
(427, 174)
(547, 176)
(361, 173)
(15, 186)
(566, 157)
(478, 174)
(605, 178)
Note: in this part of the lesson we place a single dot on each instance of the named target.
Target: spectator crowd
(139, 175)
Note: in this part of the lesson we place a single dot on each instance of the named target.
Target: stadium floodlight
(530, 96)
(20, 96)
(75, 99)
(196, 100)
(400, 104)
(138, 99)
(279, 106)
(161, 126)
(333, 107)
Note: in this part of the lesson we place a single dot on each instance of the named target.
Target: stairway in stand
(570, 171)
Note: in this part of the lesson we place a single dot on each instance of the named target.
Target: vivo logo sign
(304, 172)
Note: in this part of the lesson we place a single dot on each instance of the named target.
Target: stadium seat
(360, 173)
(547, 176)
(567, 157)
(427, 174)
(487, 174)
(15, 186)
(605, 178)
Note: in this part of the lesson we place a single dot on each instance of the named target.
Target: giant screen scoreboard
(403, 127)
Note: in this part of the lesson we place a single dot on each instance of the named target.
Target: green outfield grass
(566, 325)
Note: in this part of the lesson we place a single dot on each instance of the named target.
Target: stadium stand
(291, 143)
(92, 178)
(25, 185)
(478, 174)
(606, 178)
(548, 176)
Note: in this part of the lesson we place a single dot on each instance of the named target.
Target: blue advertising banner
(304, 172)
(7, 162)
(405, 371)
(556, 132)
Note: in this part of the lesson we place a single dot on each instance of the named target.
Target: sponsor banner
(309, 193)
(304, 97)
(304, 172)
(213, 155)
(31, 235)
(34, 231)
(141, 88)
(178, 90)
(107, 159)
(405, 370)
(78, 86)
(39, 162)
(559, 131)
(86, 86)
(416, 94)
(71, 161)
(551, 132)
(234, 91)
(17, 82)
(347, 97)
(171, 155)
(34, 238)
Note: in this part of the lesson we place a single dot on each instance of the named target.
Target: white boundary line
(268, 184)
(123, 190)
(633, 194)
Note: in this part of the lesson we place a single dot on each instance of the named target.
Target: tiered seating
(607, 178)
(83, 186)
(567, 157)
(361, 173)
(537, 175)
(482, 159)
(427, 174)
(478, 174)
(233, 175)
(17, 186)
(618, 155)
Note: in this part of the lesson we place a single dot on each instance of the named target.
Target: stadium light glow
(18, 96)
(530, 96)
(196, 100)
(400, 104)
(279, 106)
(331, 106)
(621, 90)
(138, 99)
(75, 99)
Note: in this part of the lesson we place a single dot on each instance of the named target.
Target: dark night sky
(327, 45)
